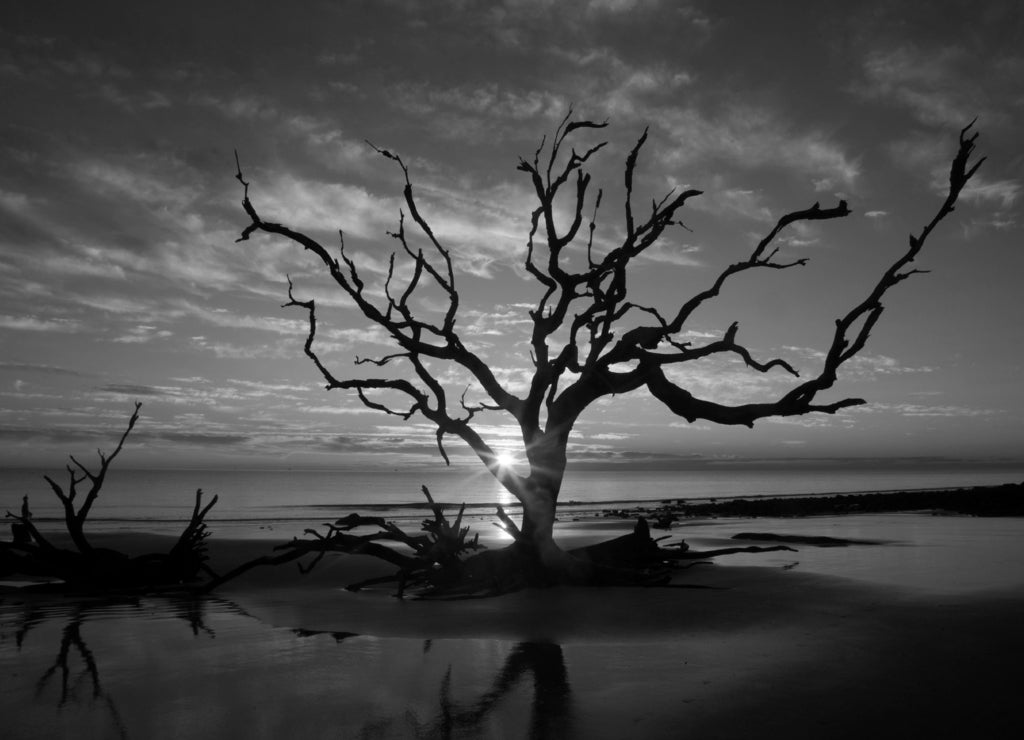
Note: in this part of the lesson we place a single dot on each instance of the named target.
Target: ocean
(159, 500)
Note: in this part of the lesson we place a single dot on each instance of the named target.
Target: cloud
(14, 202)
(224, 318)
(196, 439)
(924, 81)
(729, 201)
(134, 102)
(261, 388)
(31, 323)
(728, 381)
(491, 101)
(1002, 192)
(134, 184)
(621, 6)
(331, 146)
(748, 136)
(127, 389)
(115, 304)
(682, 255)
(252, 351)
(862, 366)
(83, 267)
(740, 133)
(490, 113)
(142, 334)
(38, 369)
(338, 410)
(245, 107)
(321, 206)
(913, 409)
(482, 225)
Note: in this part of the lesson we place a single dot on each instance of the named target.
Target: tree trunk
(540, 500)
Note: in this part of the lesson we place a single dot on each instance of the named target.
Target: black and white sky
(120, 277)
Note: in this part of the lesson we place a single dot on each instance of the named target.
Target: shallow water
(165, 668)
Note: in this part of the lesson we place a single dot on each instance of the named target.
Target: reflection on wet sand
(550, 709)
(71, 637)
(76, 664)
(64, 694)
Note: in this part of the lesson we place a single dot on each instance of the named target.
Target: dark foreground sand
(853, 642)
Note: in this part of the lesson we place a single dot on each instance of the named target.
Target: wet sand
(882, 640)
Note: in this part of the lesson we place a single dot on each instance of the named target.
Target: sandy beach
(919, 636)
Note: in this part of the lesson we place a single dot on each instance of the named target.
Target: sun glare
(505, 459)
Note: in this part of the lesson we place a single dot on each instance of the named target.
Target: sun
(505, 459)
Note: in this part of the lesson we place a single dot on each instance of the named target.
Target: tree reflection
(550, 710)
(74, 674)
(70, 683)
(530, 673)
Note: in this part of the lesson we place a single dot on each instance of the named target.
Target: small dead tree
(588, 339)
(32, 553)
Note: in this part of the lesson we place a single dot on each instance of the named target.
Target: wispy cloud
(134, 184)
(36, 369)
(232, 350)
(225, 318)
(751, 137)
(862, 365)
(325, 207)
(924, 81)
(142, 334)
(32, 323)
(681, 255)
(1001, 192)
(914, 409)
(246, 107)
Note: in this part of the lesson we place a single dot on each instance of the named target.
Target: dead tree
(588, 339)
(32, 553)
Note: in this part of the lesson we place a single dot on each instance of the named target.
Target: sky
(121, 280)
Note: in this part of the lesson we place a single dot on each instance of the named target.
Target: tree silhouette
(30, 552)
(588, 339)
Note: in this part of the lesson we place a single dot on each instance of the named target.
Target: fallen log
(799, 539)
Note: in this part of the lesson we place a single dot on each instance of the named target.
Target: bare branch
(851, 332)
(757, 258)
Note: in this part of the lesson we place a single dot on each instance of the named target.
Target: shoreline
(1006, 499)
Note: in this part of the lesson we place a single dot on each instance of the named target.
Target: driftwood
(31, 553)
(437, 569)
(435, 557)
